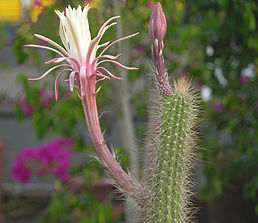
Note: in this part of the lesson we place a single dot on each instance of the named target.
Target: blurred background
(47, 169)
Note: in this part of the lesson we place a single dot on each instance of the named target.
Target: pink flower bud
(157, 31)
(158, 24)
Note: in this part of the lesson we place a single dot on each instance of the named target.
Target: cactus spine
(170, 174)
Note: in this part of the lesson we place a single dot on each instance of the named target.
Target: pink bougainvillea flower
(80, 51)
(28, 109)
(45, 98)
(51, 158)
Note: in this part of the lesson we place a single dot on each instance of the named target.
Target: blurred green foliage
(79, 201)
(216, 41)
(86, 208)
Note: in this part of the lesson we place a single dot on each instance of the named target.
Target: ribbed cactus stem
(170, 185)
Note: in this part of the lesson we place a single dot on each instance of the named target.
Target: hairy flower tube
(80, 51)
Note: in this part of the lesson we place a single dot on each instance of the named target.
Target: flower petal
(108, 57)
(52, 43)
(56, 82)
(118, 64)
(118, 40)
(83, 81)
(48, 72)
(56, 60)
(74, 31)
(101, 31)
(110, 74)
(71, 79)
(44, 47)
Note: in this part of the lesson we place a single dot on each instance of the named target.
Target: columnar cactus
(173, 151)
(170, 172)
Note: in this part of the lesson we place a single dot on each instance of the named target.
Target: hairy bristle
(182, 85)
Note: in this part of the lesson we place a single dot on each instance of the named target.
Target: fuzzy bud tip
(158, 24)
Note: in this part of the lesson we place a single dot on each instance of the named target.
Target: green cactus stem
(170, 184)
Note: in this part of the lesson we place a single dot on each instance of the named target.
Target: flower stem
(122, 179)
